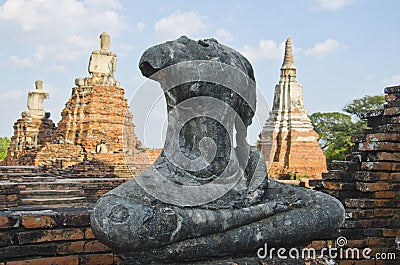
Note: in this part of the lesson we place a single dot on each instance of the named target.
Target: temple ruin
(288, 140)
(45, 206)
(32, 131)
(96, 124)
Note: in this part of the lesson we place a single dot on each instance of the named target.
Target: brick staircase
(6, 172)
(48, 192)
(31, 188)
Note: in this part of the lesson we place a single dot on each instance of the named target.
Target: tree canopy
(4, 144)
(357, 106)
(335, 129)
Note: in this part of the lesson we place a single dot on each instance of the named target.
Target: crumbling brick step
(34, 179)
(54, 201)
(49, 185)
(39, 194)
(346, 166)
(19, 169)
(15, 176)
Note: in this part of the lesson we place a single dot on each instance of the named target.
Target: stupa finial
(288, 61)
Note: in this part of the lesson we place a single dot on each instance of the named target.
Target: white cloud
(51, 89)
(59, 68)
(11, 94)
(72, 48)
(223, 35)
(140, 26)
(125, 47)
(322, 49)
(61, 30)
(392, 80)
(32, 60)
(331, 4)
(370, 77)
(104, 4)
(181, 23)
(266, 49)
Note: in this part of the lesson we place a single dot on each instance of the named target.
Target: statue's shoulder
(104, 52)
(109, 53)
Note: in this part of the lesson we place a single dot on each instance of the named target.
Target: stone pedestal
(288, 140)
(35, 102)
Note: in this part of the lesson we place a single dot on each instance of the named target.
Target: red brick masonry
(62, 237)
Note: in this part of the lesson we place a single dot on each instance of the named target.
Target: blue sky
(344, 49)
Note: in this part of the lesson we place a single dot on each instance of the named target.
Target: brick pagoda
(96, 124)
(33, 130)
(288, 140)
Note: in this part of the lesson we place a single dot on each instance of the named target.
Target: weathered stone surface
(35, 102)
(392, 90)
(276, 229)
(170, 213)
(288, 140)
(102, 64)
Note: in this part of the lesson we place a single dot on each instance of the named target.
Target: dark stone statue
(208, 194)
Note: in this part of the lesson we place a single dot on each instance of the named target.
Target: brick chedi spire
(288, 60)
(288, 140)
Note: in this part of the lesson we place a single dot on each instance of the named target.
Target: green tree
(366, 103)
(4, 144)
(335, 129)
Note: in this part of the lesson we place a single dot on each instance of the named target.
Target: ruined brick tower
(33, 130)
(97, 112)
(288, 140)
(96, 125)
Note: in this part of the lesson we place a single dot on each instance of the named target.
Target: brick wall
(61, 237)
(30, 135)
(368, 184)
